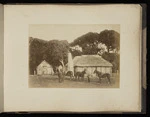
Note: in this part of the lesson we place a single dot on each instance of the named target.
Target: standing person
(61, 71)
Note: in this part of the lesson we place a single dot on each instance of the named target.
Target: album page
(72, 58)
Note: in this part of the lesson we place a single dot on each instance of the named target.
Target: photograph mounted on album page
(72, 58)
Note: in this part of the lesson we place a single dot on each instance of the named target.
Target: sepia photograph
(74, 56)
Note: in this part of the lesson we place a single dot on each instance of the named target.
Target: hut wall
(44, 70)
(92, 69)
(105, 69)
(39, 71)
(79, 69)
(50, 71)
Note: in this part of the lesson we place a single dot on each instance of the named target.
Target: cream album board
(71, 58)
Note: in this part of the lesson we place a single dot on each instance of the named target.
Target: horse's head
(83, 72)
(68, 73)
(95, 71)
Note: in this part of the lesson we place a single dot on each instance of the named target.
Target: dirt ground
(51, 81)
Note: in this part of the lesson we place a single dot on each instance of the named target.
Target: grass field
(51, 81)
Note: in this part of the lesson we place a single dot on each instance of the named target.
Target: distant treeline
(54, 50)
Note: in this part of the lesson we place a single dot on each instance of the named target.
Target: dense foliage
(90, 45)
(88, 42)
(51, 51)
(114, 59)
(110, 38)
(54, 50)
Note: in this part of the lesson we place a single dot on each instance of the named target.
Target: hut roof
(90, 60)
(45, 63)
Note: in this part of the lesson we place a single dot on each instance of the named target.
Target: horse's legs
(70, 77)
(108, 79)
(75, 78)
(88, 79)
(78, 78)
(99, 79)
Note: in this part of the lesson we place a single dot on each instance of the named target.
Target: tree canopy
(88, 38)
(90, 43)
(95, 43)
(114, 59)
(52, 51)
(110, 38)
(57, 50)
(37, 48)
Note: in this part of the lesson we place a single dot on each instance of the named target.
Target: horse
(79, 75)
(104, 75)
(70, 73)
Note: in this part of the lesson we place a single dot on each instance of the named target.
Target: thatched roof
(45, 63)
(90, 60)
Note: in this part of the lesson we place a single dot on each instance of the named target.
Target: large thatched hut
(92, 62)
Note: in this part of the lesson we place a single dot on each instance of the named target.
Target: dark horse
(104, 75)
(79, 75)
(70, 73)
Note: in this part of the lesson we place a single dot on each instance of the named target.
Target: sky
(67, 32)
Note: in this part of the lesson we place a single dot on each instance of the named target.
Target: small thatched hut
(44, 68)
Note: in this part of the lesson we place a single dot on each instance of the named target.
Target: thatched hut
(44, 68)
(92, 62)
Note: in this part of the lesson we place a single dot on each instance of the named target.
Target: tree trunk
(63, 66)
(62, 62)
(108, 49)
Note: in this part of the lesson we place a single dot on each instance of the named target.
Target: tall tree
(88, 42)
(57, 50)
(52, 51)
(113, 58)
(36, 52)
(111, 39)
